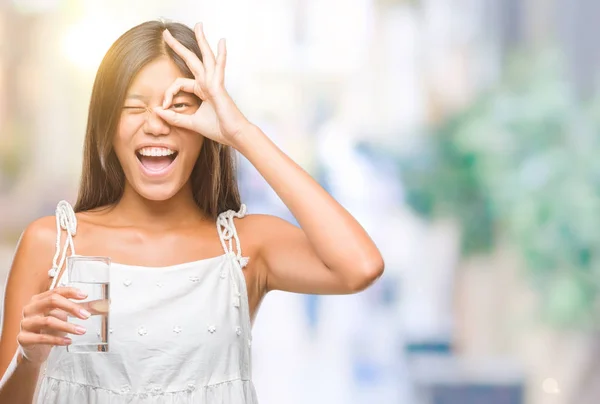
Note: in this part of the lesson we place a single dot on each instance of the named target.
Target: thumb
(173, 118)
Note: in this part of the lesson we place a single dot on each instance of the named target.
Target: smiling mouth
(156, 159)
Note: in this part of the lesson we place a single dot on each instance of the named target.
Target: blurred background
(461, 133)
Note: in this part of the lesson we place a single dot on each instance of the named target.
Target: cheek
(129, 125)
(125, 132)
(193, 144)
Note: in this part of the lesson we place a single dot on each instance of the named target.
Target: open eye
(180, 105)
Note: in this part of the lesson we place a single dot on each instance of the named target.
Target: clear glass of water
(91, 275)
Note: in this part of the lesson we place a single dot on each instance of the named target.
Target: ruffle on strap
(65, 220)
(227, 234)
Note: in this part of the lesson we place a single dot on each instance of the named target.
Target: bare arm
(33, 317)
(330, 252)
(28, 272)
(19, 386)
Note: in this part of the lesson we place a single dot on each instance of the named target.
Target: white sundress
(178, 334)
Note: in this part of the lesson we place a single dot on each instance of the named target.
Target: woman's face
(157, 158)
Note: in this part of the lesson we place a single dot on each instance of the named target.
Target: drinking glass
(92, 276)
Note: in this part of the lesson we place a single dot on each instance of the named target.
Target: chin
(157, 193)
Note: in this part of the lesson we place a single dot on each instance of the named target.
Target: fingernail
(166, 32)
(82, 294)
(85, 313)
(67, 340)
(80, 330)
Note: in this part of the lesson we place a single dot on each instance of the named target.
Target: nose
(155, 125)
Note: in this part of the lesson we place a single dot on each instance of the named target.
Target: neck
(175, 211)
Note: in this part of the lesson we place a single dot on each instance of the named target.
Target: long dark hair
(213, 178)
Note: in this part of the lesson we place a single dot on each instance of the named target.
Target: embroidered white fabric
(178, 334)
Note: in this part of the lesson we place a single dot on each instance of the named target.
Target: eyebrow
(145, 98)
(183, 94)
(137, 97)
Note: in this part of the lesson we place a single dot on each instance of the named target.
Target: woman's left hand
(217, 118)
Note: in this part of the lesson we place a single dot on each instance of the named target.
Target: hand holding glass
(92, 276)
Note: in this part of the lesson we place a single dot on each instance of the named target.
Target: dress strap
(227, 234)
(65, 220)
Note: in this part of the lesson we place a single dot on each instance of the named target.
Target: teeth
(155, 151)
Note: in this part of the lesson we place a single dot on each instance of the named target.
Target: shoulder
(35, 250)
(255, 222)
(258, 233)
(260, 230)
(254, 226)
(39, 235)
(262, 223)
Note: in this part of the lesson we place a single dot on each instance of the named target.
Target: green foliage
(522, 164)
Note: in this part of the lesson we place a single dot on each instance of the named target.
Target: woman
(157, 179)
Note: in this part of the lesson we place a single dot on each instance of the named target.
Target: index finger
(53, 302)
(66, 291)
(190, 58)
(207, 54)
